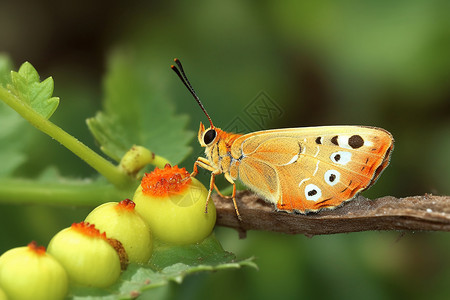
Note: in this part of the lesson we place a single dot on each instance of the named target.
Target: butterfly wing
(306, 169)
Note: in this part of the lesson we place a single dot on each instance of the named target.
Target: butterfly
(298, 169)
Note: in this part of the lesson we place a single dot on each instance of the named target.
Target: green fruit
(86, 255)
(3, 295)
(173, 204)
(121, 222)
(31, 273)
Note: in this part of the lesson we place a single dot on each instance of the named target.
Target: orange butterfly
(298, 169)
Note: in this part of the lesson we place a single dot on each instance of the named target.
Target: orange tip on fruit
(162, 182)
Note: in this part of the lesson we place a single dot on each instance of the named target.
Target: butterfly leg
(233, 196)
(204, 163)
(211, 187)
(220, 194)
(230, 197)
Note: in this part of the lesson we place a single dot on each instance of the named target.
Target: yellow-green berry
(86, 254)
(121, 222)
(31, 273)
(3, 295)
(174, 204)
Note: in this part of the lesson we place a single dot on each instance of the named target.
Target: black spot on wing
(337, 157)
(312, 193)
(332, 178)
(334, 140)
(355, 141)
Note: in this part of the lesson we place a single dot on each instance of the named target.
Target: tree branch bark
(417, 213)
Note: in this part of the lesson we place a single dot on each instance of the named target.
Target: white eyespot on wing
(332, 177)
(341, 157)
(312, 192)
(343, 141)
(348, 142)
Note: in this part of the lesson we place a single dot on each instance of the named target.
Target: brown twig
(418, 213)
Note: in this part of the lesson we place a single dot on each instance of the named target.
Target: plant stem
(91, 193)
(104, 167)
(415, 213)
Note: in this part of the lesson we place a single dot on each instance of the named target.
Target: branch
(424, 213)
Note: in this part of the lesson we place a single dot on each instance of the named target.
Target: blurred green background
(380, 63)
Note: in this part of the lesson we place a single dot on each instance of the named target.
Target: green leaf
(26, 86)
(15, 134)
(12, 140)
(137, 111)
(12, 127)
(210, 251)
(168, 264)
(32, 100)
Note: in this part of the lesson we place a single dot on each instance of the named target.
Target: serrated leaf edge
(27, 79)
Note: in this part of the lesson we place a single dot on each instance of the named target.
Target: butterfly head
(206, 137)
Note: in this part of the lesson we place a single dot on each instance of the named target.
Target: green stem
(90, 193)
(104, 167)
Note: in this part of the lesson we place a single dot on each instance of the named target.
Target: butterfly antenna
(180, 72)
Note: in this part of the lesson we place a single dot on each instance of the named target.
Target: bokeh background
(380, 63)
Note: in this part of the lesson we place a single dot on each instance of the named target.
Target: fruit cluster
(168, 205)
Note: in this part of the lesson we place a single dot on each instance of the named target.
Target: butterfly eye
(209, 136)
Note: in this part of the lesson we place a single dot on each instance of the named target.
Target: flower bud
(121, 222)
(135, 159)
(87, 255)
(173, 204)
(31, 273)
